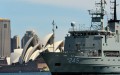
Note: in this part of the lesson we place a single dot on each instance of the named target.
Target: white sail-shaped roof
(56, 46)
(19, 51)
(8, 60)
(35, 55)
(25, 49)
(47, 38)
(14, 57)
(58, 50)
(27, 54)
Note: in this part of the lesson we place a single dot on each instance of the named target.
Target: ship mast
(102, 14)
(115, 12)
(98, 16)
(53, 23)
(54, 27)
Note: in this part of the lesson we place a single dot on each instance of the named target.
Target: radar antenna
(98, 15)
(73, 25)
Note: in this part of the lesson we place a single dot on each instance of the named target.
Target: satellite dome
(72, 23)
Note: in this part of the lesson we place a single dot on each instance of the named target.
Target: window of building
(5, 25)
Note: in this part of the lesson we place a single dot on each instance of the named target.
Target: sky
(38, 15)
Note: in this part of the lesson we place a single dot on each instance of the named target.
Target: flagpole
(54, 27)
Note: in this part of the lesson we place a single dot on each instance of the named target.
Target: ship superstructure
(96, 50)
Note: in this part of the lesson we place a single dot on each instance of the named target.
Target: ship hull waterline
(72, 63)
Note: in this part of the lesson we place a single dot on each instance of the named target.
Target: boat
(89, 51)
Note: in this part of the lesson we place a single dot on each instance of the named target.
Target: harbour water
(45, 73)
(29, 73)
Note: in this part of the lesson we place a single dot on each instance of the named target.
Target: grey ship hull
(72, 63)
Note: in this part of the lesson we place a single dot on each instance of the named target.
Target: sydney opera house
(28, 58)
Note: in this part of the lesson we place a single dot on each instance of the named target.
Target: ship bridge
(78, 32)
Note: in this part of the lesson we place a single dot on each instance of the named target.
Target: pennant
(56, 27)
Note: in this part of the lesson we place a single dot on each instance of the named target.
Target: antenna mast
(53, 23)
(54, 27)
(114, 9)
(115, 12)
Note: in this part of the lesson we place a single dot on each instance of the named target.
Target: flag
(56, 27)
(53, 23)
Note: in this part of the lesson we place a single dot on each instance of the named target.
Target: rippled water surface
(30, 73)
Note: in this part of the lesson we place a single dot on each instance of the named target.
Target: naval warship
(90, 51)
